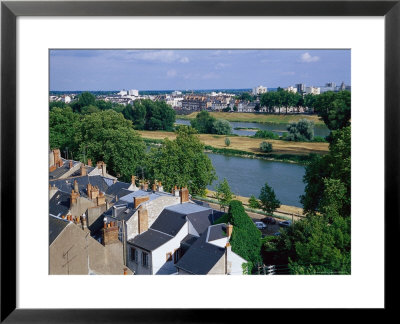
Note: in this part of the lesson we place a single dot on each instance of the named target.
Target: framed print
(52, 45)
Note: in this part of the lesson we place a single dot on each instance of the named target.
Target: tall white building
(133, 93)
(122, 93)
(291, 89)
(313, 90)
(259, 90)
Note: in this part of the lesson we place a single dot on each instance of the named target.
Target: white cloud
(306, 57)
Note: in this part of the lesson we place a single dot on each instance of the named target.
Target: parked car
(269, 220)
(285, 223)
(260, 225)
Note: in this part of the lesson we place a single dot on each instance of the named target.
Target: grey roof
(56, 226)
(59, 204)
(122, 211)
(169, 222)
(201, 220)
(116, 188)
(217, 232)
(59, 171)
(78, 172)
(201, 257)
(67, 185)
(150, 240)
(187, 208)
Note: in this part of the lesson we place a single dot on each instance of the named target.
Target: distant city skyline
(97, 70)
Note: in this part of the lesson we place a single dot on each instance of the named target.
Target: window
(134, 255)
(169, 256)
(145, 259)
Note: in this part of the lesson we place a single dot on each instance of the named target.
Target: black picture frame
(10, 10)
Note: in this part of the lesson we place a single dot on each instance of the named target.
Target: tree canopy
(268, 201)
(334, 108)
(181, 162)
(223, 193)
(204, 123)
(301, 131)
(150, 115)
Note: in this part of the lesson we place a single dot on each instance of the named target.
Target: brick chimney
(143, 220)
(70, 164)
(125, 271)
(133, 179)
(89, 162)
(138, 200)
(101, 199)
(74, 197)
(160, 187)
(101, 165)
(154, 187)
(83, 170)
(57, 156)
(52, 168)
(60, 163)
(110, 233)
(76, 188)
(175, 191)
(89, 189)
(229, 230)
(94, 192)
(184, 195)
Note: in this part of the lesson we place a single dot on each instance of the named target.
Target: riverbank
(283, 212)
(257, 117)
(244, 144)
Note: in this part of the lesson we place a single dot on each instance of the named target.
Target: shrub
(266, 134)
(266, 147)
(227, 141)
(303, 130)
(253, 202)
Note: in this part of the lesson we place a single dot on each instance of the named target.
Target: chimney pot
(70, 164)
(89, 162)
(229, 230)
(125, 271)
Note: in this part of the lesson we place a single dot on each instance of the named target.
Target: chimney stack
(70, 164)
(125, 271)
(110, 232)
(229, 230)
(143, 220)
(101, 199)
(83, 218)
(57, 156)
(184, 194)
(154, 187)
(138, 200)
(160, 187)
(83, 170)
(74, 197)
(89, 162)
(76, 188)
(133, 178)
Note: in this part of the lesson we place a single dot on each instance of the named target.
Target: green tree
(221, 127)
(253, 202)
(182, 162)
(227, 141)
(63, 128)
(303, 130)
(89, 109)
(107, 136)
(265, 147)
(150, 115)
(334, 108)
(84, 99)
(223, 194)
(246, 238)
(334, 165)
(269, 202)
(203, 122)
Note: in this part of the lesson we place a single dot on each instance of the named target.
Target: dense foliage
(266, 134)
(268, 201)
(246, 238)
(253, 202)
(334, 108)
(150, 115)
(101, 136)
(181, 162)
(265, 147)
(281, 99)
(301, 131)
(204, 123)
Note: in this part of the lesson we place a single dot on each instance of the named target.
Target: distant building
(133, 93)
(122, 93)
(259, 90)
(301, 87)
(67, 99)
(176, 93)
(342, 87)
(195, 103)
(313, 90)
(291, 89)
(330, 85)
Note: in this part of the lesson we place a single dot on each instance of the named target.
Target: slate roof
(56, 226)
(67, 185)
(169, 222)
(116, 188)
(150, 240)
(78, 172)
(217, 232)
(123, 211)
(59, 203)
(61, 170)
(201, 257)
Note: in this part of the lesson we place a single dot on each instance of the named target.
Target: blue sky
(195, 69)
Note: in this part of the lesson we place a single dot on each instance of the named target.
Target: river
(247, 176)
(319, 130)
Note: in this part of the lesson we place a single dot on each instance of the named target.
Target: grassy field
(249, 144)
(257, 118)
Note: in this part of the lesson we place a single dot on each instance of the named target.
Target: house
(156, 250)
(211, 253)
(73, 251)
